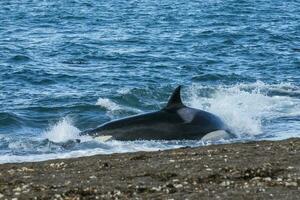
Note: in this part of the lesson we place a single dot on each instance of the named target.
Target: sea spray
(62, 131)
(244, 107)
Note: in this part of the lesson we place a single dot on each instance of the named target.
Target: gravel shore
(253, 170)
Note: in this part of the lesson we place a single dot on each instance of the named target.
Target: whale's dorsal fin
(175, 99)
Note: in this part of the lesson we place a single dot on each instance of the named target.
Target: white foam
(244, 107)
(110, 147)
(62, 131)
(124, 90)
(113, 108)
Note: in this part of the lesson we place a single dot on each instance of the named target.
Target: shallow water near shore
(70, 66)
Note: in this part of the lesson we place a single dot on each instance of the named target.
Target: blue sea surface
(70, 65)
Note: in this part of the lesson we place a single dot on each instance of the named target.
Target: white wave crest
(244, 107)
(108, 104)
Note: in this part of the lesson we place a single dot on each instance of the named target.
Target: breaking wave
(62, 131)
(108, 104)
(253, 111)
(248, 109)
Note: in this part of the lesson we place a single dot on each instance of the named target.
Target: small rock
(117, 192)
(178, 185)
(25, 186)
(279, 179)
(67, 182)
(267, 179)
(26, 191)
(293, 184)
(256, 178)
(140, 189)
(93, 177)
(261, 189)
(1, 195)
(170, 190)
(225, 183)
(18, 189)
(25, 169)
(157, 189)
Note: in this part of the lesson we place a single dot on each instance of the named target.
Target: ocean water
(70, 65)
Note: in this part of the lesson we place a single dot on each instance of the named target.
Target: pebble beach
(252, 170)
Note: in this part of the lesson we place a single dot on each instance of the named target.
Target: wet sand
(253, 170)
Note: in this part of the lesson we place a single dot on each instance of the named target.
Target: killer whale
(175, 121)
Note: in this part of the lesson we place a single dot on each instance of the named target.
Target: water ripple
(59, 58)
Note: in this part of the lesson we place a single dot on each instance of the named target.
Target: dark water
(71, 65)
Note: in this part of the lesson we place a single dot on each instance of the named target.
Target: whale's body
(174, 122)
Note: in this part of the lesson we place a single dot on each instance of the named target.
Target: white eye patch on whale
(186, 114)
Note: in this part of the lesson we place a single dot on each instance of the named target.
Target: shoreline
(251, 170)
